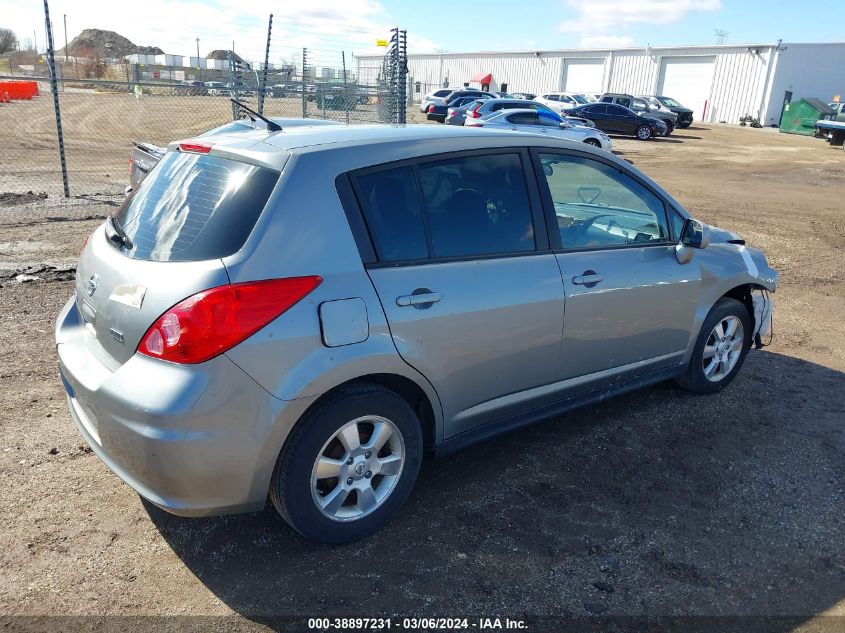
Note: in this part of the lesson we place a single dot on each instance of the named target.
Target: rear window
(194, 207)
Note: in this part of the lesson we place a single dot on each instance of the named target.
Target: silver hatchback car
(303, 313)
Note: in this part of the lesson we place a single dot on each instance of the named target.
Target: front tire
(644, 132)
(349, 465)
(684, 125)
(669, 128)
(593, 142)
(720, 350)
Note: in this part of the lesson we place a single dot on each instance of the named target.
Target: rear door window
(391, 207)
(194, 207)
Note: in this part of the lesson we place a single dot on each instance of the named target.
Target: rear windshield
(194, 207)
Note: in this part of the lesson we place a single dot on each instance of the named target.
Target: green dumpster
(799, 117)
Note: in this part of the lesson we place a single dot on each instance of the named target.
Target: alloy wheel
(358, 468)
(723, 349)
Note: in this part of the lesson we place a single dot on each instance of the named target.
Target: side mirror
(695, 234)
(548, 169)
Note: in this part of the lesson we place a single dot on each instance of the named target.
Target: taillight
(431, 108)
(197, 148)
(212, 321)
(474, 113)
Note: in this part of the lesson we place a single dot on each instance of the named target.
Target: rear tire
(720, 350)
(360, 490)
(669, 128)
(644, 133)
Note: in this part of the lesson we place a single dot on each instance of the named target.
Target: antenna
(721, 35)
(271, 126)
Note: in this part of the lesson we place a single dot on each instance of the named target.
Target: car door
(630, 305)
(625, 121)
(472, 294)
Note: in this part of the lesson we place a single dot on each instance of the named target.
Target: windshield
(669, 103)
(580, 99)
(194, 207)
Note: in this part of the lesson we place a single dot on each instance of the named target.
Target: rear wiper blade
(271, 125)
(119, 236)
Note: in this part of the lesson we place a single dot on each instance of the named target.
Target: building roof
(581, 51)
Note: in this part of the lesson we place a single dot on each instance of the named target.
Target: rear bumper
(194, 440)
(440, 118)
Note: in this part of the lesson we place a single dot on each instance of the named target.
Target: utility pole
(35, 41)
(198, 50)
(65, 38)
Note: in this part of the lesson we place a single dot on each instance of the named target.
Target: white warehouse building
(719, 83)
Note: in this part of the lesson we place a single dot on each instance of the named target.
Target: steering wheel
(581, 227)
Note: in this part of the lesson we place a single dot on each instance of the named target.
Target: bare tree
(8, 40)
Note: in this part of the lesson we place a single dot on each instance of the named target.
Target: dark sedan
(617, 119)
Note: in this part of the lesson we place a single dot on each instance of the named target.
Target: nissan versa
(302, 313)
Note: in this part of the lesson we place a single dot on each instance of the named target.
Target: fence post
(51, 63)
(263, 85)
(403, 75)
(304, 71)
(345, 91)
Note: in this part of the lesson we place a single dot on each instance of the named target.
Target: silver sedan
(543, 122)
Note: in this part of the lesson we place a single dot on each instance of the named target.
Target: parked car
(560, 101)
(457, 110)
(643, 108)
(528, 96)
(438, 109)
(190, 88)
(617, 119)
(216, 88)
(667, 103)
(308, 337)
(543, 122)
(485, 107)
(435, 95)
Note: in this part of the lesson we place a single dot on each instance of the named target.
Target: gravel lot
(659, 502)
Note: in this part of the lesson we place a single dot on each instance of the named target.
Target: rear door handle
(419, 299)
(590, 278)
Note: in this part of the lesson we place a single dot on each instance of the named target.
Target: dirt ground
(658, 502)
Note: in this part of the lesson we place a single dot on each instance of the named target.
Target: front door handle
(589, 278)
(421, 298)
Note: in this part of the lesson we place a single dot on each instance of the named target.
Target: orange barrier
(18, 89)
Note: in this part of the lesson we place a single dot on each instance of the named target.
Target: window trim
(551, 216)
(356, 217)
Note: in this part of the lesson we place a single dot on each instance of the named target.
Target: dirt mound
(224, 54)
(106, 44)
(7, 199)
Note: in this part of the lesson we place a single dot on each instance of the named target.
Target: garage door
(687, 80)
(583, 75)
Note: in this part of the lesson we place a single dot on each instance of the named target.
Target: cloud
(602, 20)
(325, 27)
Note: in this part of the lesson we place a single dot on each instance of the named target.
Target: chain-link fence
(102, 114)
